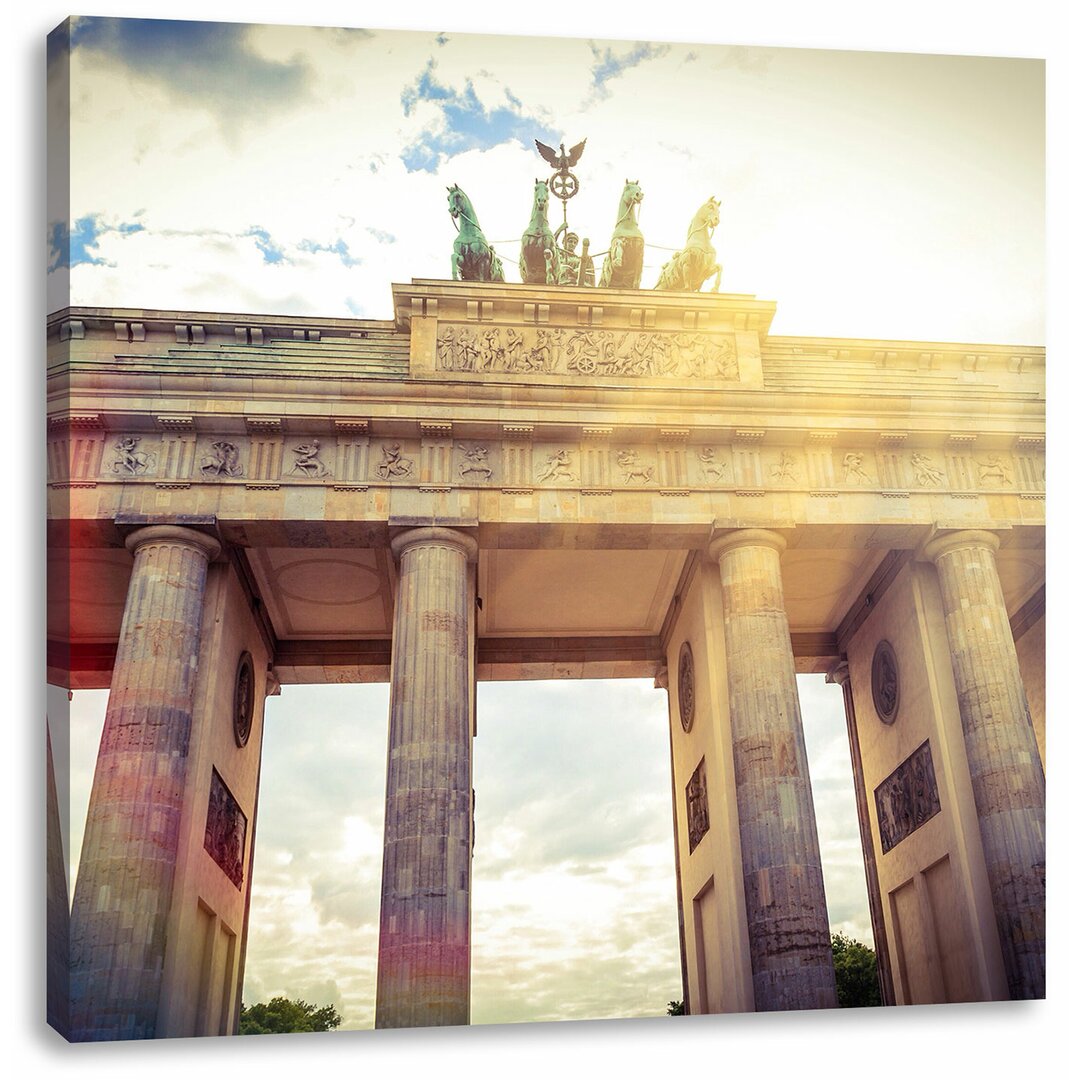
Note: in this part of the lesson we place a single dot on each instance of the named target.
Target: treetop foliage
(280, 1016)
(856, 973)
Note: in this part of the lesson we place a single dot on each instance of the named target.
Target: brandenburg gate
(510, 481)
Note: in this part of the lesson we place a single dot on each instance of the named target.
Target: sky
(301, 171)
(290, 171)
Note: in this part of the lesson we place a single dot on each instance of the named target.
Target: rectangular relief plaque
(697, 806)
(226, 830)
(907, 799)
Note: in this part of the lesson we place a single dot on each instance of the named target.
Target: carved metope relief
(556, 466)
(393, 464)
(223, 460)
(686, 686)
(854, 472)
(885, 682)
(308, 462)
(130, 460)
(697, 806)
(994, 470)
(475, 466)
(907, 799)
(712, 467)
(226, 830)
(783, 470)
(557, 351)
(927, 474)
(634, 471)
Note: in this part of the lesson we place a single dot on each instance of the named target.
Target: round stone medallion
(686, 686)
(885, 682)
(243, 699)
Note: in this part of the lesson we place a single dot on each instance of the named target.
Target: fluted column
(124, 886)
(790, 948)
(1003, 757)
(424, 927)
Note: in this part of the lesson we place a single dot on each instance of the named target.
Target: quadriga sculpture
(473, 258)
(539, 262)
(622, 265)
(689, 268)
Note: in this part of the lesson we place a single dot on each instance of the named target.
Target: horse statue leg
(455, 264)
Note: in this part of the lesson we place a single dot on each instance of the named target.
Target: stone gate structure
(527, 482)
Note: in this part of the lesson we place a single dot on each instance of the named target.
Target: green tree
(280, 1015)
(676, 1008)
(856, 973)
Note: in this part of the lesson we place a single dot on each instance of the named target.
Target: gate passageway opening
(574, 895)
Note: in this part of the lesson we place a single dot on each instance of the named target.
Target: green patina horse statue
(539, 262)
(473, 258)
(689, 268)
(622, 266)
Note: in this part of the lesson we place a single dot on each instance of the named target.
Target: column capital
(435, 535)
(205, 544)
(723, 542)
(839, 673)
(946, 540)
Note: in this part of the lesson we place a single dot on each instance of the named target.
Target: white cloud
(848, 181)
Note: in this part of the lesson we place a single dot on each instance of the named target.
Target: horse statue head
(539, 261)
(460, 207)
(473, 258)
(622, 266)
(705, 220)
(540, 196)
(630, 201)
(690, 267)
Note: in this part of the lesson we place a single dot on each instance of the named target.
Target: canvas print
(539, 529)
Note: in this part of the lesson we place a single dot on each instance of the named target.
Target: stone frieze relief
(586, 351)
(739, 465)
(226, 830)
(907, 799)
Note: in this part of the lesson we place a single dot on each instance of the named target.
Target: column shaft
(790, 947)
(1006, 772)
(424, 947)
(124, 886)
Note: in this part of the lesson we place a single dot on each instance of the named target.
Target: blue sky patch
(340, 249)
(271, 252)
(382, 237)
(466, 124)
(608, 65)
(71, 247)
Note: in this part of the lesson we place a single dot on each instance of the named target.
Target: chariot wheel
(564, 185)
(586, 365)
